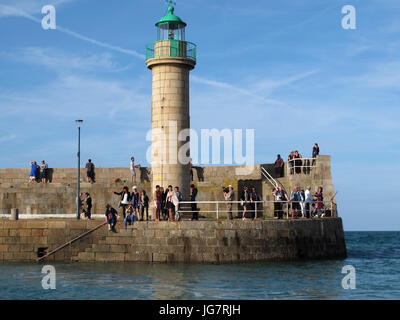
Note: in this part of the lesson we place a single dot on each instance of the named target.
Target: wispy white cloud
(260, 88)
(60, 61)
(7, 138)
(6, 10)
(27, 7)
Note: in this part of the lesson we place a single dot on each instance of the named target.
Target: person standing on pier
(34, 171)
(135, 201)
(193, 198)
(229, 196)
(157, 203)
(298, 162)
(90, 171)
(279, 167)
(133, 171)
(315, 153)
(144, 205)
(254, 197)
(88, 209)
(308, 200)
(245, 198)
(125, 198)
(291, 161)
(43, 171)
(164, 211)
(170, 203)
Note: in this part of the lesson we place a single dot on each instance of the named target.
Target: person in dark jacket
(279, 167)
(111, 217)
(89, 204)
(254, 197)
(164, 211)
(135, 201)
(245, 199)
(315, 153)
(90, 171)
(144, 205)
(193, 198)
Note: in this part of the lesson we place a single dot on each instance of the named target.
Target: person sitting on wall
(279, 167)
(111, 217)
(130, 217)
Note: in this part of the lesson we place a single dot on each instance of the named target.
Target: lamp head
(79, 123)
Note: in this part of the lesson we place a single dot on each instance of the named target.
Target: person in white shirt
(308, 200)
(133, 172)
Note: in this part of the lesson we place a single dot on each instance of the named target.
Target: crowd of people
(166, 204)
(248, 200)
(296, 162)
(300, 203)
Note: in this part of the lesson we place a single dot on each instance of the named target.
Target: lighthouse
(170, 59)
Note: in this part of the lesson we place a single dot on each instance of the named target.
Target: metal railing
(270, 179)
(70, 242)
(171, 48)
(294, 166)
(327, 207)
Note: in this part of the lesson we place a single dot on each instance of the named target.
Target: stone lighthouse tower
(170, 59)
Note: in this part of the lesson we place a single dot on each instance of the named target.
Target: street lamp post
(78, 199)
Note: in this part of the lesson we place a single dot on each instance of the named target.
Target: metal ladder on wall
(70, 242)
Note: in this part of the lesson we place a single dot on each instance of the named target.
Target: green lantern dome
(170, 21)
(171, 40)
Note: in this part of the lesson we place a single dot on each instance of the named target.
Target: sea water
(375, 257)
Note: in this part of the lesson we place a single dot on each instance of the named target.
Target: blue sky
(284, 68)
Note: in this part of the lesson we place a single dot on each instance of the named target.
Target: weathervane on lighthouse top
(170, 2)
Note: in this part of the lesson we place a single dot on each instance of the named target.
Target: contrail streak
(16, 12)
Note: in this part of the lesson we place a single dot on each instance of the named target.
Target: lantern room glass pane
(170, 31)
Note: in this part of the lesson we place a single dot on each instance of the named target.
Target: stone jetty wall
(175, 242)
(58, 197)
